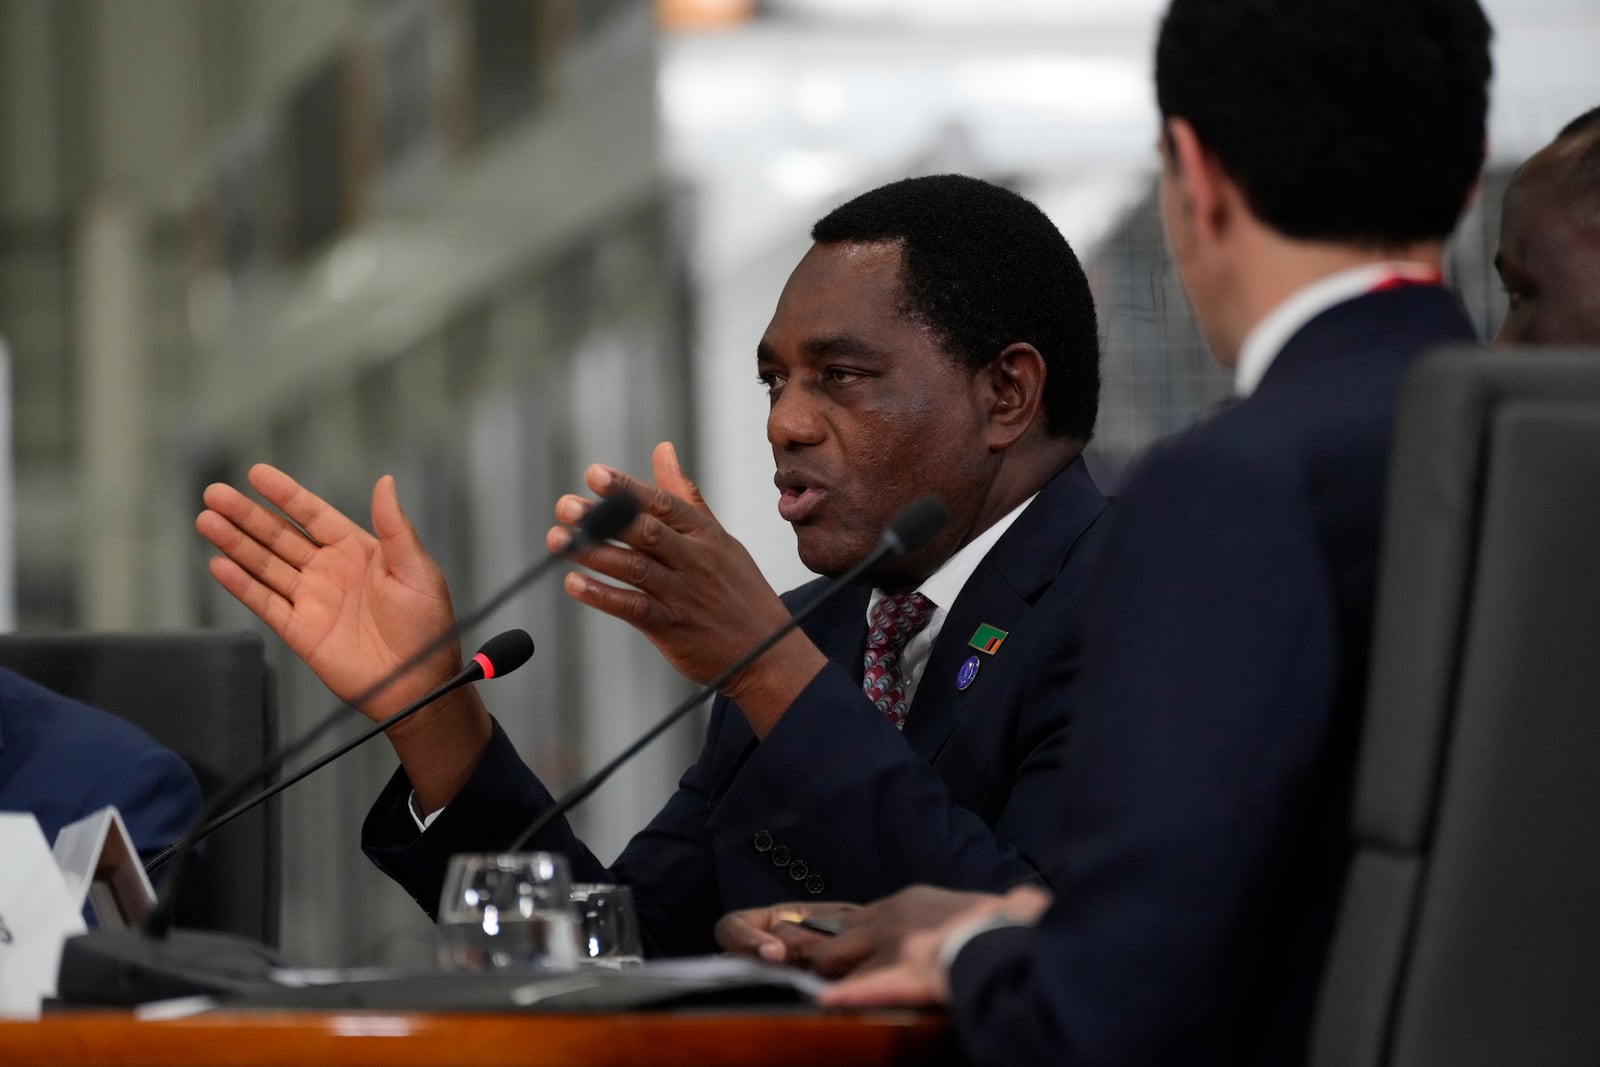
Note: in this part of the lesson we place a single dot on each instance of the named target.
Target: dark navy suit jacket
(1204, 807)
(62, 760)
(834, 803)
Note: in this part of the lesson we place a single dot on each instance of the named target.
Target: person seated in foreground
(62, 760)
(1314, 157)
(938, 337)
(1549, 254)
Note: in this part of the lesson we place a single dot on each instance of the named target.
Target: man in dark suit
(938, 337)
(1549, 254)
(1315, 154)
(61, 760)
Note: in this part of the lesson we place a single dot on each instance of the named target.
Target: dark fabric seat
(210, 698)
(1468, 933)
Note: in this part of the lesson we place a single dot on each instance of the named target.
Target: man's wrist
(766, 689)
(422, 821)
(968, 931)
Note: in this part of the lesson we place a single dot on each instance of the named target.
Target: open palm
(353, 605)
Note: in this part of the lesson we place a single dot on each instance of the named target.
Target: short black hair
(985, 268)
(1586, 169)
(1582, 124)
(1351, 121)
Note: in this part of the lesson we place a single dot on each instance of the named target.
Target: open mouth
(798, 499)
(799, 503)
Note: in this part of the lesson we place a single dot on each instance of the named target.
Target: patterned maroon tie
(893, 621)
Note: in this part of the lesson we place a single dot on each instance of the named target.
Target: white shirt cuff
(966, 932)
(422, 821)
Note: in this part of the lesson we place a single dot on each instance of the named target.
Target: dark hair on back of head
(985, 269)
(1586, 169)
(1589, 120)
(1351, 121)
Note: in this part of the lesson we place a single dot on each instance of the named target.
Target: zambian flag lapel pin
(988, 639)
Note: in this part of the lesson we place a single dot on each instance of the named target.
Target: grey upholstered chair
(1470, 928)
(209, 697)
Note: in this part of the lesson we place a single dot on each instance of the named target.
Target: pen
(816, 924)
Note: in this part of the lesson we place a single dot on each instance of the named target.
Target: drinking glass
(507, 911)
(608, 927)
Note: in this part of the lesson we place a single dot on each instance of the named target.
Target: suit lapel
(940, 701)
(840, 630)
(1001, 592)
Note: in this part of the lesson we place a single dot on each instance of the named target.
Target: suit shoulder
(45, 720)
(802, 594)
(1218, 473)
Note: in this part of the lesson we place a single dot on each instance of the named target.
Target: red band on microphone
(483, 661)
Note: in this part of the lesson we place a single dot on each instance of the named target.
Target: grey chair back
(210, 698)
(1470, 925)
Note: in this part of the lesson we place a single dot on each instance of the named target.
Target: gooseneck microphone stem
(913, 527)
(581, 791)
(461, 679)
(472, 672)
(605, 520)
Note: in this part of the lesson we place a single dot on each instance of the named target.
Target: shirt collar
(945, 584)
(1267, 338)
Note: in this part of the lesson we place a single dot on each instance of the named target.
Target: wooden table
(356, 1039)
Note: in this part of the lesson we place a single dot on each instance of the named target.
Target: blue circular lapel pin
(968, 671)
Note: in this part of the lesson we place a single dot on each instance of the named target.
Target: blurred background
(478, 244)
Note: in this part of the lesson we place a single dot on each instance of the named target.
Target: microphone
(911, 529)
(605, 520)
(130, 966)
(500, 655)
(122, 967)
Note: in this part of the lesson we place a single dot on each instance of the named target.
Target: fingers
(651, 551)
(624, 564)
(668, 511)
(402, 548)
(323, 522)
(902, 985)
(831, 957)
(267, 528)
(266, 605)
(264, 544)
(669, 475)
(626, 604)
(653, 499)
(776, 933)
(1026, 903)
(261, 545)
(914, 978)
(743, 932)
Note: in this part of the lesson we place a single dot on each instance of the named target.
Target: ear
(1204, 191)
(1016, 394)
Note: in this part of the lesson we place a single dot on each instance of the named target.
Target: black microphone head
(607, 519)
(915, 525)
(504, 653)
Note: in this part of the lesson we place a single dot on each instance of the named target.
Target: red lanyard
(1403, 277)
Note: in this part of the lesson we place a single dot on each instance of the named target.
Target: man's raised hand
(350, 604)
(688, 586)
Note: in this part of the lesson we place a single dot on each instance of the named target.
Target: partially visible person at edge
(1315, 154)
(938, 337)
(1549, 254)
(62, 760)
